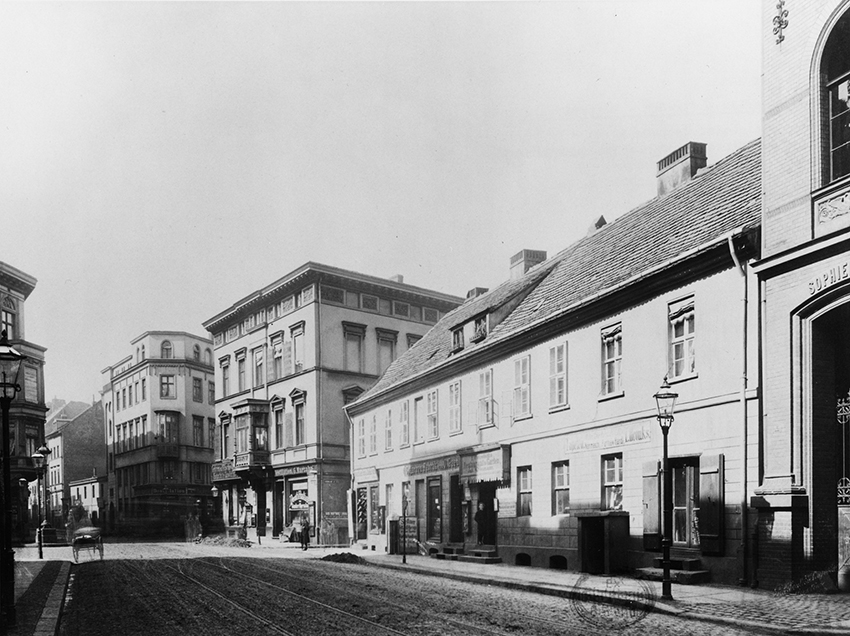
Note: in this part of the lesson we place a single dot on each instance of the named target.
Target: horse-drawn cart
(87, 539)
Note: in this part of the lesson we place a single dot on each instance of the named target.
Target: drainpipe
(742, 268)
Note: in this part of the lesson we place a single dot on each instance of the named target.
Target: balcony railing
(251, 459)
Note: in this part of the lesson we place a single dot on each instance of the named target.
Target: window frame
(614, 362)
(614, 485)
(560, 486)
(525, 491)
(522, 387)
(455, 408)
(432, 414)
(558, 377)
(681, 313)
(167, 387)
(485, 399)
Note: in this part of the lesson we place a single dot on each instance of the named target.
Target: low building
(89, 495)
(159, 429)
(288, 357)
(533, 403)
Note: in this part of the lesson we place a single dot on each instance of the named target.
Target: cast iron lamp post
(404, 528)
(665, 401)
(38, 458)
(10, 365)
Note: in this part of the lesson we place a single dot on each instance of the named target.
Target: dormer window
(479, 329)
(457, 339)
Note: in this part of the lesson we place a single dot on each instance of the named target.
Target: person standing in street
(305, 531)
(479, 522)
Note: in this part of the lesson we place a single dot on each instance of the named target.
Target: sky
(161, 160)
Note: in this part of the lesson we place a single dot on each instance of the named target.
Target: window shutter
(711, 504)
(287, 357)
(289, 433)
(651, 506)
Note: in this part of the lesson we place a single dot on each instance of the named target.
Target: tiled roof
(720, 199)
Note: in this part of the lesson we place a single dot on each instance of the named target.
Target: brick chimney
(475, 292)
(524, 261)
(679, 167)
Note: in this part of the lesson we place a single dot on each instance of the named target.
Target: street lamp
(404, 528)
(665, 401)
(38, 458)
(10, 366)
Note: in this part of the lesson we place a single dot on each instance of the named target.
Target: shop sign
(631, 436)
(829, 278)
(363, 475)
(223, 470)
(285, 471)
(440, 465)
(299, 503)
(493, 465)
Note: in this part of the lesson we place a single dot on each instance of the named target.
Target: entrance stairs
(683, 570)
(479, 554)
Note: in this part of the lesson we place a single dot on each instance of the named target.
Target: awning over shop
(488, 464)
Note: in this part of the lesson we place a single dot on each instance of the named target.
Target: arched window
(835, 73)
(143, 352)
(196, 353)
(208, 357)
(166, 349)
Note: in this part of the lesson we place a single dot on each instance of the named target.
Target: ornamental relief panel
(832, 213)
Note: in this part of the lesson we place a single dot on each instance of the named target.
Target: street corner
(617, 605)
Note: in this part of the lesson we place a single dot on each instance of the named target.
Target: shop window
(523, 508)
(612, 482)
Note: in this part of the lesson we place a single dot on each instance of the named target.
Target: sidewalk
(738, 607)
(39, 591)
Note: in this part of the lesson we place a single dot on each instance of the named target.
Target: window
(197, 430)
(412, 339)
(388, 430)
(523, 508)
(166, 387)
(457, 339)
(560, 488)
(418, 423)
(612, 355)
(166, 350)
(9, 320)
(433, 421)
(373, 435)
(386, 348)
(169, 427)
(404, 422)
(196, 353)
(485, 398)
(558, 375)
(612, 482)
(240, 374)
(361, 438)
(278, 428)
(277, 358)
(454, 407)
(211, 432)
(353, 335)
(208, 358)
(225, 380)
(479, 330)
(130, 400)
(299, 423)
(210, 392)
(297, 333)
(197, 390)
(682, 358)
(522, 380)
(259, 376)
(835, 68)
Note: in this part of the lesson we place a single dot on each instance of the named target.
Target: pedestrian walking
(479, 522)
(305, 531)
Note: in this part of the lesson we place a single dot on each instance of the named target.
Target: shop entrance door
(421, 502)
(435, 509)
(455, 509)
(486, 496)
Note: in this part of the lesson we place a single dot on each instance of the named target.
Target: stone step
(468, 558)
(453, 549)
(686, 563)
(443, 556)
(682, 577)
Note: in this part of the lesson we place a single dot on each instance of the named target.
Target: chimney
(596, 225)
(524, 261)
(475, 292)
(679, 167)
(397, 278)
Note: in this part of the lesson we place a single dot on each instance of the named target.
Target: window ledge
(683, 378)
(456, 433)
(419, 441)
(611, 396)
(558, 409)
(521, 418)
(486, 425)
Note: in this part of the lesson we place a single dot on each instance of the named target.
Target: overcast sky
(159, 160)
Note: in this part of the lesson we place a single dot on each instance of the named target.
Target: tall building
(159, 421)
(525, 419)
(27, 413)
(804, 281)
(288, 357)
(74, 435)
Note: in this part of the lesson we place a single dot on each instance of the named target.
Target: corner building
(287, 358)
(804, 282)
(159, 420)
(533, 402)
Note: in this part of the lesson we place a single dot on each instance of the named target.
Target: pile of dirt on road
(344, 557)
(225, 541)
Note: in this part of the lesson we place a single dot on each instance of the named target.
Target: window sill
(683, 378)
(400, 446)
(455, 433)
(433, 439)
(611, 396)
(559, 408)
(486, 425)
(522, 418)
(419, 441)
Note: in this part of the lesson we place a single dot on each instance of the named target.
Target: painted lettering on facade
(487, 466)
(632, 436)
(432, 466)
(829, 278)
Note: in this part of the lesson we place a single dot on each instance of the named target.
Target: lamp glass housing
(38, 460)
(10, 367)
(665, 401)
